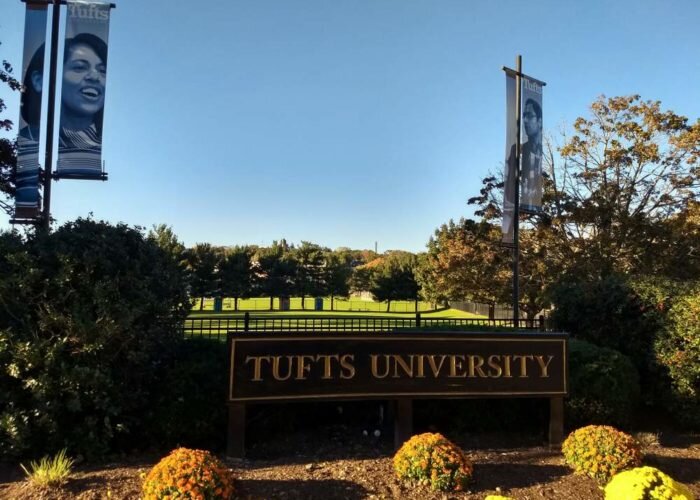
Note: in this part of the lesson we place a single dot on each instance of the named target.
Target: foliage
(395, 278)
(309, 270)
(432, 459)
(600, 452)
(645, 483)
(276, 271)
(8, 149)
(498, 497)
(678, 351)
(164, 236)
(50, 472)
(201, 261)
(88, 316)
(337, 274)
(186, 473)
(235, 273)
(604, 385)
(189, 409)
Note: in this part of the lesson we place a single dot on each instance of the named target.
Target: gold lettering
(276, 367)
(493, 364)
(419, 365)
(257, 366)
(346, 364)
(375, 365)
(456, 363)
(475, 364)
(327, 358)
(543, 365)
(506, 367)
(399, 361)
(523, 364)
(436, 368)
(302, 366)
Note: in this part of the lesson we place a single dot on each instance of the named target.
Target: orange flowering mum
(189, 474)
(433, 460)
(601, 451)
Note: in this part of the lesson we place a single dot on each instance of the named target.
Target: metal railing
(218, 327)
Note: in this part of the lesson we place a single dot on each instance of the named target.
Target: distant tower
(375, 247)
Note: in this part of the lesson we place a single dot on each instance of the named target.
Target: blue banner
(27, 199)
(83, 90)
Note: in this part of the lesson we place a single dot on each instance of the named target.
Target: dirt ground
(342, 463)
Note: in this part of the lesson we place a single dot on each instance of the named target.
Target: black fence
(218, 327)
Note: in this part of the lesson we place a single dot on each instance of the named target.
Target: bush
(604, 386)
(188, 473)
(190, 410)
(600, 452)
(645, 483)
(678, 350)
(432, 459)
(91, 313)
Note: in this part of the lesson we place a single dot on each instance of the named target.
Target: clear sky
(345, 122)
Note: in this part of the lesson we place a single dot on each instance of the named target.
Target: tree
(337, 272)
(395, 279)
(276, 271)
(202, 260)
(309, 266)
(164, 236)
(8, 148)
(236, 273)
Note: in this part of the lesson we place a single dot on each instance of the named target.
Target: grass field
(261, 304)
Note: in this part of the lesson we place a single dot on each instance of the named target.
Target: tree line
(284, 270)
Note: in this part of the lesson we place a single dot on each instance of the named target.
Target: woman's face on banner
(84, 75)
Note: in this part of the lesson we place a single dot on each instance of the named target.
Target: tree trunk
(303, 308)
(331, 302)
(388, 305)
(235, 303)
(201, 303)
(416, 306)
(271, 301)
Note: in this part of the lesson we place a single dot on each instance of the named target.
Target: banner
(27, 199)
(83, 89)
(510, 164)
(531, 147)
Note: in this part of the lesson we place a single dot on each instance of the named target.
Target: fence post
(246, 321)
(418, 320)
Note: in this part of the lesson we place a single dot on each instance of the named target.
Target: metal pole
(516, 207)
(48, 162)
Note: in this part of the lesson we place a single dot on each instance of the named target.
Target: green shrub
(433, 460)
(604, 386)
(645, 483)
(678, 350)
(50, 472)
(90, 314)
(190, 409)
(600, 452)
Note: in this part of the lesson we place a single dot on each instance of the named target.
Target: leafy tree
(361, 279)
(309, 266)
(8, 148)
(276, 271)
(89, 315)
(337, 272)
(395, 279)
(164, 236)
(236, 273)
(202, 260)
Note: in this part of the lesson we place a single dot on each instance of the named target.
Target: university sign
(283, 367)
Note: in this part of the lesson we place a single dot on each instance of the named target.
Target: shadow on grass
(306, 489)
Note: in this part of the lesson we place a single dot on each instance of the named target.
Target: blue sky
(345, 122)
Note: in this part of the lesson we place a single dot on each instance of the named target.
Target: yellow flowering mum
(433, 460)
(497, 497)
(646, 483)
(188, 474)
(601, 451)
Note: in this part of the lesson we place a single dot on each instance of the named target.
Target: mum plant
(188, 474)
(601, 451)
(646, 483)
(432, 459)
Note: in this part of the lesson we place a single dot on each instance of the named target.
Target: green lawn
(261, 304)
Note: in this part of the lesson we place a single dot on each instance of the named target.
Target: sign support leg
(235, 443)
(556, 421)
(403, 422)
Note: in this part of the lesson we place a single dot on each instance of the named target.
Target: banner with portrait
(83, 89)
(510, 169)
(531, 147)
(27, 199)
